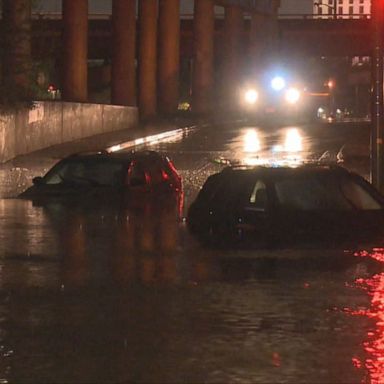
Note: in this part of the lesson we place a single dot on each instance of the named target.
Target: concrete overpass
(296, 36)
(145, 52)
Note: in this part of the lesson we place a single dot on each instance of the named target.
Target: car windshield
(324, 192)
(106, 172)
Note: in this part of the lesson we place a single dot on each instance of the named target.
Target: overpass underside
(145, 52)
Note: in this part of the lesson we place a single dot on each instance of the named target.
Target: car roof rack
(310, 164)
(90, 153)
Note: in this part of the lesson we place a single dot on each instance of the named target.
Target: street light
(333, 7)
(331, 86)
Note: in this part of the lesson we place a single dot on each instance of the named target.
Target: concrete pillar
(273, 32)
(123, 81)
(147, 58)
(257, 41)
(16, 68)
(202, 80)
(75, 49)
(377, 99)
(264, 38)
(232, 64)
(169, 55)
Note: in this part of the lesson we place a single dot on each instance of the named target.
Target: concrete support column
(123, 81)
(257, 42)
(16, 68)
(377, 68)
(273, 32)
(233, 29)
(75, 20)
(169, 55)
(202, 80)
(147, 58)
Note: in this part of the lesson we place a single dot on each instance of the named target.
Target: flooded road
(100, 296)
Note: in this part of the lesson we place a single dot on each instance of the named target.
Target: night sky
(104, 6)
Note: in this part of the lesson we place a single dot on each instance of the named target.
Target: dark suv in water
(278, 207)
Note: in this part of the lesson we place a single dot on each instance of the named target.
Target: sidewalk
(16, 175)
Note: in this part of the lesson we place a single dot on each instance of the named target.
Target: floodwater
(99, 296)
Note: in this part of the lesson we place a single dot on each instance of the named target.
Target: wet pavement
(105, 296)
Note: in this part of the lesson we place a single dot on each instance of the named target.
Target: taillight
(164, 175)
(173, 168)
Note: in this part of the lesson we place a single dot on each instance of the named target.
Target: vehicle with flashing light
(275, 207)
(273, 96)
(106, 178)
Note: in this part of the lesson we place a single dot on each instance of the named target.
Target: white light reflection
(293, 141)
(277, 148)
(164, 137)
(251, 141)
(251, 148)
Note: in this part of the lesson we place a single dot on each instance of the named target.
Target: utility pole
(335, 9)
(377, 130)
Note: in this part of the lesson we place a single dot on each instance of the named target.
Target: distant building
(345, 9)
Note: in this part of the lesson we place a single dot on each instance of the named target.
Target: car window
(94, 171)
(211, 185)
(155, 172)
(234, 192)
(358, 196)
(137, 176)
(323, 192)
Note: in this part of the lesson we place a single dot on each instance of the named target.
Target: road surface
(135, 298)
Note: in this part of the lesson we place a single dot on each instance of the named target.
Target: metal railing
(299, 16)
(313, 16)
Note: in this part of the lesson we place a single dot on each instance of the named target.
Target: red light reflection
(374, 344)
(375, 253)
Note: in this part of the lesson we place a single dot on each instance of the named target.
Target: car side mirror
(38, 180)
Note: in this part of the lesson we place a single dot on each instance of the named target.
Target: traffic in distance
(274, 94)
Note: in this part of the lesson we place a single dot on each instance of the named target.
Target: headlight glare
(292, 95)
(251, 96)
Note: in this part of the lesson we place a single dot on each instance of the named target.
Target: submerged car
(277, 207)
(109, 178)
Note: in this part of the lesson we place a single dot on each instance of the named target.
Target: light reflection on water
(256, 146)
(373, 360)
(100, 297)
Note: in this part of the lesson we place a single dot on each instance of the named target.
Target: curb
(154, 139)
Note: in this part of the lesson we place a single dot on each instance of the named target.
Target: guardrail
(312, 16)
(299, 16)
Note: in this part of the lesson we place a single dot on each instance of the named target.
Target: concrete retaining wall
(51, 123)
